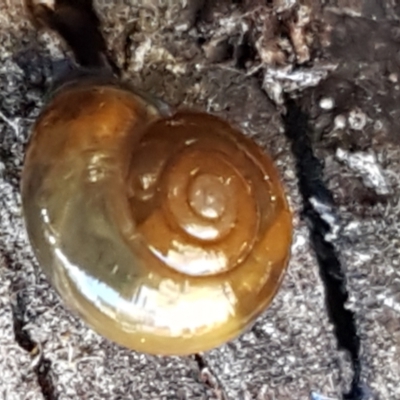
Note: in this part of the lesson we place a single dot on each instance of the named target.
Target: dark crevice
(42, 367)
(245, 52)
(209, 378)
(200, 12)
(311, 186)
(11, 174)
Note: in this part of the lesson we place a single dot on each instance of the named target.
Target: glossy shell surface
(168, 235)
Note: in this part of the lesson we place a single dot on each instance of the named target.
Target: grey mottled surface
(353, 98)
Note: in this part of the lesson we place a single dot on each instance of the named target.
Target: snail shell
(168, 235)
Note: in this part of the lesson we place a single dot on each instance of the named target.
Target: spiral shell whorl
(209, 192)
(167, 235)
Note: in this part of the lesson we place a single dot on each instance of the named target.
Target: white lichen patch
(288, 79)
(326, 212)
(367, 167)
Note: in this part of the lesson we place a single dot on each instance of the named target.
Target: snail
(167, 231)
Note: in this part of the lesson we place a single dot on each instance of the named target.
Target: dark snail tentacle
(77, 23)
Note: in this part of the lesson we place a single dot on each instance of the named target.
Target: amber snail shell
(168, 235)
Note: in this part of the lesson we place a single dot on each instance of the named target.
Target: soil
(317, 84)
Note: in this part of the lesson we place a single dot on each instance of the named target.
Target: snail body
(168, 234)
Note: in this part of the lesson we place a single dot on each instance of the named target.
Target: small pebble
(357, 119)
(340, 122)
(327, 103)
